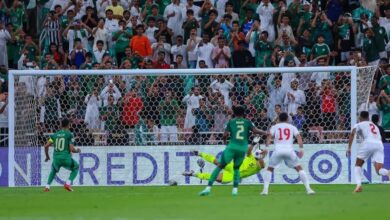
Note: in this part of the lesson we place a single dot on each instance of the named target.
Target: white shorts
(168, 132)
(371, 150)
(288, 156)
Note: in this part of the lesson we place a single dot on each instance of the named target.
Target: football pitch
(182, 202)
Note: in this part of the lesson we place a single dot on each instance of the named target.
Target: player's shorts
(67, 163)
(229, 155)
(288, 156)
(371, 150)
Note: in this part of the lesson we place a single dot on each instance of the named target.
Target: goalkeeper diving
(251, 165)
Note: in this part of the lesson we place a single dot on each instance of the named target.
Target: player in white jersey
(372, 147)
(283, 135)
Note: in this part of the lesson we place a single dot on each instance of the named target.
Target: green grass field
(284, 202)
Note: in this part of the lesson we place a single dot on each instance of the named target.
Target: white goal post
(358, 83)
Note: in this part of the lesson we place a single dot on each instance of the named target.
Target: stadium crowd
(181, 34)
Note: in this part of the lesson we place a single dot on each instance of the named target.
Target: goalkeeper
(251, 165)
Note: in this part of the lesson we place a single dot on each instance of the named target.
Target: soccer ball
(172, 182)
(259, 154)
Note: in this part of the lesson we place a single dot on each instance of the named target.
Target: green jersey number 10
(60, 144)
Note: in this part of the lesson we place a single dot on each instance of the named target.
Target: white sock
(68, 182)
(383, 172)
(358, 175)
(208, 188)
(305, 181)
(267, 180)
(235, 190)
(47, 186)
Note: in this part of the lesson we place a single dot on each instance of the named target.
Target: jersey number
(239, 132)
(373, 130)
(286, 133)
(60, 144)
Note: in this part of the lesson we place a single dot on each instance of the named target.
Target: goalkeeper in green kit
(62, 141)
(238, 128)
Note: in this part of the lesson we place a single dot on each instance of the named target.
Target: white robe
(4, 37)
(175, 22)
(92, 113)
(192, 102)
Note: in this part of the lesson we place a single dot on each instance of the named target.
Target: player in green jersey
(62, 141)
(251, 165)
(238, 129)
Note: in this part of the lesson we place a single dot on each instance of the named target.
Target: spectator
(320, 48)
(168, 110)
(180, 49)
(223, 86)
(77, 54)
(204, 50)
(151, 29)
(371, 106)
(109, 115)
(132, 106)
(265, 11)
(221, 116)
(242, 57)
(122, 39)
(263, 50)
(192, 42)
(189, 23)
(192, 102)
(203, 118)
(99, 52)
(93, 103)
(117, 10)
(276, 95)
(328, 105)
(221, 54)
(111, 25)
(50, 111)
(250, 110)
(298, 119)
(4, 120)
(77, 30)
(371, 48)
(262, 121)
(294, 98)
(100, 33)
(375, 120)
(161, 46)
(346, 31)
(210, 25)
(380, 36)
(140, 43)
(160, 62)
(111, 90)
(383, 102)
(230, 11)
(173, 15)
(163, 30)
(236, 37)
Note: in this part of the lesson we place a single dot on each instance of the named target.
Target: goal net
(168, 113)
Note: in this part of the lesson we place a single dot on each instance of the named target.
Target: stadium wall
(132, 166)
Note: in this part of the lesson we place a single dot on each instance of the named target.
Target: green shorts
(229, 155)
(67, 163)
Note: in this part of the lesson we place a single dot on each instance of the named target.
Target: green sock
(51, 176)
(236, 177)
(214, 175)
(207, 157)
(74, 173)
(203, 176)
